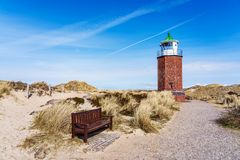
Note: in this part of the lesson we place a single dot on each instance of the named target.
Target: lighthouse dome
(169, 38)
(170, 47)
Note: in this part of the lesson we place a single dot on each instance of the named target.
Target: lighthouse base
(179, 96)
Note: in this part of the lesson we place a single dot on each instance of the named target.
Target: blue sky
(61, 40)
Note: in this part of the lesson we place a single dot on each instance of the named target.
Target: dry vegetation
(4, 88)
(18, 86)
(74, 86)
(57, 119)
(146, 110)
(43, 144)
(231, 119)
(157, 107)
(54, 124)
(4, 91)
(224, 96)
(39, 87)
(42, 88)
(128, 108)
(131, 110)
(7, 86)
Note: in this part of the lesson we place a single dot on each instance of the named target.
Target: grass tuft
(42, 144)
(131, 110)
(40, 86)
(75, 100)
(56, 119)
(136, 109)
(225, 96)
(231, 119)
(74, 86)
(157, 106)
(4, 88)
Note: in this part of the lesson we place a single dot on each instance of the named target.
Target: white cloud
(153, 36)
(206, 67)
(62, 36)
(101, 73)
(209, 72)
(74, 32)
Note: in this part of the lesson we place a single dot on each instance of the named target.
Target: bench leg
(73, 132)
(85, 137)
(111, 121)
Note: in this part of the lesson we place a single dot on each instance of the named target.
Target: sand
(15, 120)
(191, 134)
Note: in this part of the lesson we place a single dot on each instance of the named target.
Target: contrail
(155, 35)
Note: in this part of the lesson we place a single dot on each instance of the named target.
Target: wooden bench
(89, 121)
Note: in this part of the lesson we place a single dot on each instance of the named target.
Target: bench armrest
(110, 118)
(107, 117)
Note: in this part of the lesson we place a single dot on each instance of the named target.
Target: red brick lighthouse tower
(170, 68)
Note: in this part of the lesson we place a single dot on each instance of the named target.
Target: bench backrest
(86, 117)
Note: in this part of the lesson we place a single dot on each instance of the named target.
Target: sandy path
(13, 121)
(192, 134)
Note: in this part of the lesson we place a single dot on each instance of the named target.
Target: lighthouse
(169, 60)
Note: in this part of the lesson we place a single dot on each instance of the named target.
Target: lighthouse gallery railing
(161, 53)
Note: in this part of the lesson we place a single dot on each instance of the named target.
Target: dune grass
(157, 106)
(54, 125)
(57, 119)
(42, 144)
(18, 86)
(4, 91)
(131, 110)
(4, 88)
(231, 119)
(223, 96)
(42, 88)
(136, 109)
(7, 86)
(74, 86)
(40, 85)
